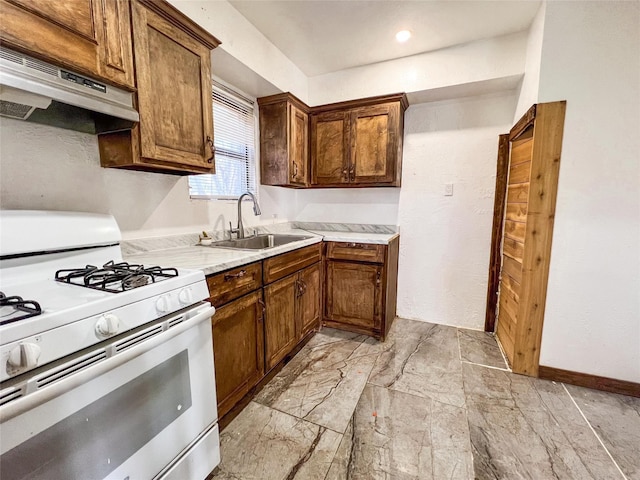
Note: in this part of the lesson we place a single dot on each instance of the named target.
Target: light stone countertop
(358, 237)
(215, 259)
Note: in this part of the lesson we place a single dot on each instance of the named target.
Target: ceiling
(322, 36)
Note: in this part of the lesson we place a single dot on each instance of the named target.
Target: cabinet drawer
(362, 252)
(229, 285)
(290, 262)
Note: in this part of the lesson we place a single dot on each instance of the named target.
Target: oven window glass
(97, 439)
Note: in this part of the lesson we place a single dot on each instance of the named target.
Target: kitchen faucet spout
(256, 211)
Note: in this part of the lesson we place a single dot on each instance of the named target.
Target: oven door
(126, 417)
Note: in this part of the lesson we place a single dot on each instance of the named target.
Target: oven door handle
(39, 397)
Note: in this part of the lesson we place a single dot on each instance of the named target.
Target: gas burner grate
(114, 277)
(15, 308)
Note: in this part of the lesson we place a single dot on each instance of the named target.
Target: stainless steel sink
(259, 242)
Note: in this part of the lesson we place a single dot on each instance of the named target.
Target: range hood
(37, 91)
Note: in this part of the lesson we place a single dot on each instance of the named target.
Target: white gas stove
(73, 314)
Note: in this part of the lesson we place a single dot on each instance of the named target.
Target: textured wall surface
(531, 80)
(591, 58)
(493, 58)
(445, 240)
(50, 168)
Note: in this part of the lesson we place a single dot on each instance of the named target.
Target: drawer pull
(212, 149)
(232, 276)
(356, 245)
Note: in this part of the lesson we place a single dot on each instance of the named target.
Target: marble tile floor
(431, 402)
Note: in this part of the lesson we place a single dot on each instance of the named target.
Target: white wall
(528, 94)
(358, 205)
(49, 168)
(481, 61)
(445, 240)
(591, 58)
(246, 44)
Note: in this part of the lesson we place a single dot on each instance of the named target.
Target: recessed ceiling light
(403, 35)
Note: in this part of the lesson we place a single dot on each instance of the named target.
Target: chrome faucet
(256, 210)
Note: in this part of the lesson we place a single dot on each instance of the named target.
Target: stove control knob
(185, 296)
(108, 325)
(163, 304)
(25, 355)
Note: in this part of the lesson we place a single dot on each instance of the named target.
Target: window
(234, 137)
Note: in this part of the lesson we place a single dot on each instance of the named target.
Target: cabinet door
(309, 295)
(173, 70)
(280, 319)
(238, 349)
(89, 36)
(374, 144)
(353, 294)
(298, 146)
(330, 148)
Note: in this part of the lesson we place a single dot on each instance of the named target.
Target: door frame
(547, 122)
(495, 260)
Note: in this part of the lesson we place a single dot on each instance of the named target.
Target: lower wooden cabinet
(309, 298)
(361, 286)
(255, 327)
(280, 327)
(292, 310)
(354, 293)
(238, 348)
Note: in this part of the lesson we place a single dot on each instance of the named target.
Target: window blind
(234, 139)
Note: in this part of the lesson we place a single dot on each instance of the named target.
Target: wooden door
(89, 36)
(280, 319)
(534, 161)
(330, 148)
(238, 348)
(174, 92)
(298, 146)
(353, 293)
(309, 296)
(374, 144)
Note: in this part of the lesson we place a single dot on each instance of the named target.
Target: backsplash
(130, 247)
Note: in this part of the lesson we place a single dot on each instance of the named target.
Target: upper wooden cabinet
(284, 141)
(358, 143)
(330, 148)
(173, 73)
(349, 144)
(92, 37)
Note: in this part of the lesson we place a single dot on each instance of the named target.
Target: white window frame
(224, 86)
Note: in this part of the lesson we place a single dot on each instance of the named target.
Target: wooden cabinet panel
(362, 252)
(290, 262)
(284, 141)
(358, 143)
(229, 285)
(174, 92)
(354, 293)
(173, 74)
(73, 15)
(309, 298)
(92, 37)
(299, 145)
(238, 347)
(280, 319)
(374, 144)
(330, 148)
